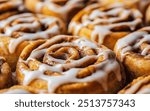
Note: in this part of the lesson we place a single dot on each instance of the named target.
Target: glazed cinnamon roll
(64, 9)
(18, 30)
(134, 52)
(141, 5)
(10, 7)
(105, 24)
(140, 85)
(17, 89)
(69, 64)
(5, 74)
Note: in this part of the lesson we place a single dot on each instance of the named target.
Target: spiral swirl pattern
(134, 51)
(68, 60)
(28, 27)
(136, 42)
(98, 22)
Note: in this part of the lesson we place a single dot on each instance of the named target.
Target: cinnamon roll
(17, 89)
(10, 7)
(64, 9)
(69, 64)
(105, 24)
(5, 74)
(141, 5)
(134, 52)
(18, 30)
(140, 85)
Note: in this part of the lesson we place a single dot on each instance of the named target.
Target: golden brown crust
(5, 74)
(140, 85)
(147, 15)
(17, 31)
(60, 58)
(9, 8)
(99, 23)
(133, 51)
(11, 58)
(17, 89)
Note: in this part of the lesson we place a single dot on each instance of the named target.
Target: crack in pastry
(69, 64)
(140, 85)
(106, 24)
(134, 52)
(5, 74)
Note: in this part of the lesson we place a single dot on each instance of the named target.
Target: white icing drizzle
(134, 88)
(39, 6)
(145, 51)
(144, 91)
(31, 22)
(83, 42)
(103, 26)
(63, 10)
(69, 76)
(133, 41)
(137, 87)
